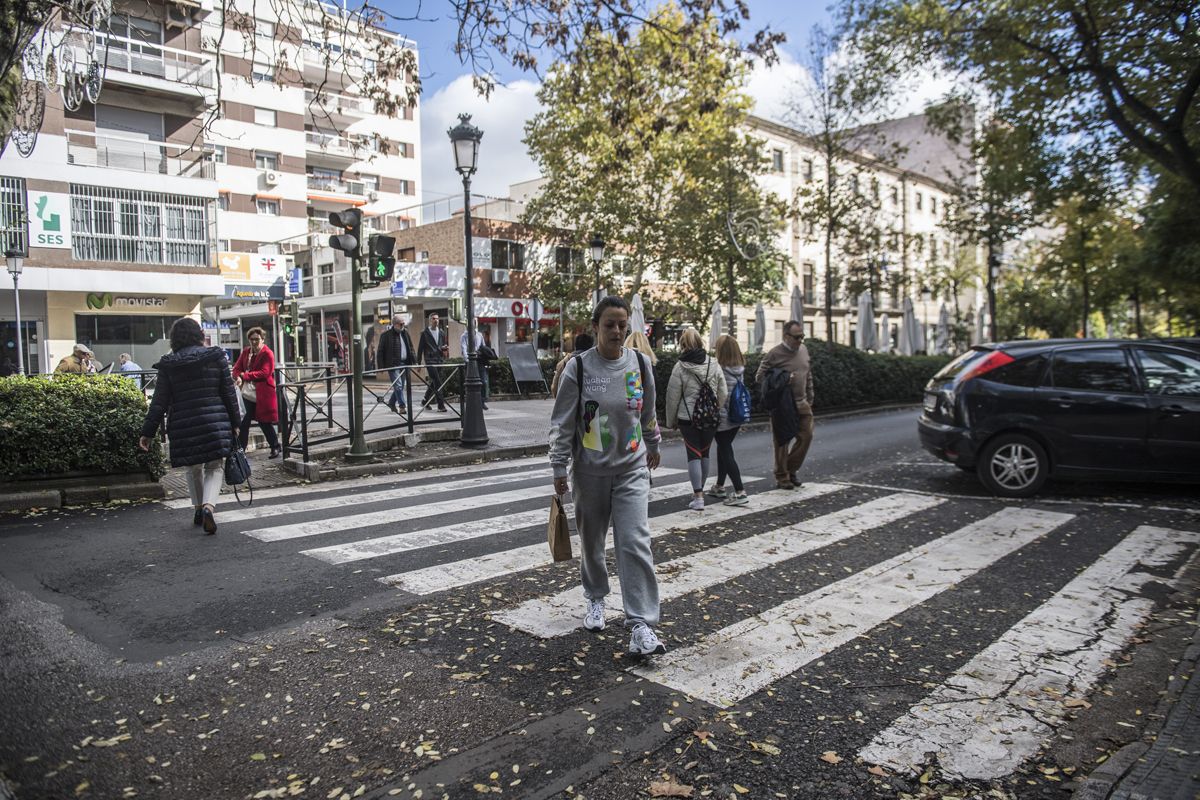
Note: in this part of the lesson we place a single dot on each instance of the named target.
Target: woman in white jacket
(693, 369)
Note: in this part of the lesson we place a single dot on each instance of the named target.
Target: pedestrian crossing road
(797, 578)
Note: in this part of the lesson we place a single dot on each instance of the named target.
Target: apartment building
(912, 196)
(215, 147)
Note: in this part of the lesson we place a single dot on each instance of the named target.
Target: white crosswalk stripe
(996, 710)
(562, 613)
(737, 661)
(496, 565)
(396, 479)
(462, 531)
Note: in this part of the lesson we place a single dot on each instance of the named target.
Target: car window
(1170, 373)
(1097, 370)
(1022, 372)
(960, 364)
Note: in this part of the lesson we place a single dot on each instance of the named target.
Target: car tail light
(996, 359)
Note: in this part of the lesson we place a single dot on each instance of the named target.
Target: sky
(447, 92)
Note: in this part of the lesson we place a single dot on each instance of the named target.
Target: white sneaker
(643, 642)
(593, 620)
(697, 504)
(737, 500)
(717, 491)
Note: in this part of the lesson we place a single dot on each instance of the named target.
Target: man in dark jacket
(395, 350)
(432, 351)
(791, 356)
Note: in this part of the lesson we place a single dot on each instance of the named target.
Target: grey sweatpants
(621, 499)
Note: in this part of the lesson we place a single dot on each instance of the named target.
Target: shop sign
(481, 252)
(108, 300)
(243, 291)
(49, 216)
(254, 268)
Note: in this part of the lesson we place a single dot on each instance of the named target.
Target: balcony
(139, 155)
(338, 148)
(343, 108)
(320, 183)
(155, 67)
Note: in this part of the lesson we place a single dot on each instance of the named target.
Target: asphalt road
(407, 636)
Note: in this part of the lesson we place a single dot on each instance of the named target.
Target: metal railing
(139, 155)
(308, 402)
(324, 184)
(338, 145)
(342, 103)
(158, 61)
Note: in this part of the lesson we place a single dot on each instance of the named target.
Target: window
(507, 255)
(918, 201)
(12, 215)
(267, 208)
(266, 160)
(810, 228)
(325, 278)
(568, 260)
(933, 250)
(406, 187)
(224, 245)
(854, 184)
(265, 116)
(139, 227)
(268, 249)
(223, 201)
(1022, 372)
(1094, 370)
(810, 293)
(808, 170)
(1170, 373)
(895, 195)
(777, 160)
(264, 27)
(219, 155)
(918, 244)
(370, 182)
(933, 205)
(261, 73)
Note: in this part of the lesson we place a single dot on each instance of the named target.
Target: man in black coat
(395, 350)
(432, 351)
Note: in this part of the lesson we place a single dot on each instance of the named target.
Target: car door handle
(1065, 401)
(1174, 411)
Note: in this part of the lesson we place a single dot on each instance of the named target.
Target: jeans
(398, 378)
(434, 389)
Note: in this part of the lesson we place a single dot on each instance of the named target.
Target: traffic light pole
(358, 442)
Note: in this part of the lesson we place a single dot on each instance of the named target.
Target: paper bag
(558, 532)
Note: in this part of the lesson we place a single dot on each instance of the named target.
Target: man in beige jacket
(79, 362)
(792, 355)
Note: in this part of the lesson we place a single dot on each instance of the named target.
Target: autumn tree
(642, 142)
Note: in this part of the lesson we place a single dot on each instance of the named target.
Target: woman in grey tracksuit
(605, 428)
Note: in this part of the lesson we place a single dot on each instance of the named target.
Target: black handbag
(237, 472)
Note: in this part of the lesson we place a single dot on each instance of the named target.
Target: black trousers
(268, 428)
(434, 388)
(726, 463)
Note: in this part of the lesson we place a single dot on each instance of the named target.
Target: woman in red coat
(254, 373)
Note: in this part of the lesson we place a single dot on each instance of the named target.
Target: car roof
(1028, 346)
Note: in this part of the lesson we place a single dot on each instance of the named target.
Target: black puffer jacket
(195, 391)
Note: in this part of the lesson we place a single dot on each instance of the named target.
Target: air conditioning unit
(270, 177)
(499, 277)
(372, 196)
(179, 16)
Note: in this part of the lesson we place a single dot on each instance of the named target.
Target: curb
(80, 495)
(315, 473)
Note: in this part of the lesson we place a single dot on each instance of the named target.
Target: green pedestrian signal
(382, 269)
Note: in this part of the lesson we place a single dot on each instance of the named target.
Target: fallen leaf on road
(879, 771)
(831, 757)
(669, 788)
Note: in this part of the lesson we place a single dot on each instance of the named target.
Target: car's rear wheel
(1013, 465)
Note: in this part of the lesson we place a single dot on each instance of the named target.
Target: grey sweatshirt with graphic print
(618, 425)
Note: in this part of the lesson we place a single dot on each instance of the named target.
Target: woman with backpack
(695, 394)
(734, 414)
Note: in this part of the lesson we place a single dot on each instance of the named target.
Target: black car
(1018, 413)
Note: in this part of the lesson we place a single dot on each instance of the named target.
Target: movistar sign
(107, 300)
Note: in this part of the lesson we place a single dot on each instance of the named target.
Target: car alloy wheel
(1013, 466)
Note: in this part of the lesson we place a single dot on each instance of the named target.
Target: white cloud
(503, 158)
(772, 88)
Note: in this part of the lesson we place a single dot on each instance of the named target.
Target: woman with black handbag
(195, 393)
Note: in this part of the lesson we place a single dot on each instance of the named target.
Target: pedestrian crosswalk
(439, 531)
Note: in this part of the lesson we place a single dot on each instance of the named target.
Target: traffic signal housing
(350, 221)
(380, 265)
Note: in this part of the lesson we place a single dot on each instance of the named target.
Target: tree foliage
(1095, 74)
(641, 141)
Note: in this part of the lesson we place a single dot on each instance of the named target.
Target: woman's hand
(653, 459)
(144, 443)
(561, 486)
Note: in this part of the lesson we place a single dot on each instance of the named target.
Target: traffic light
(285, 321)
(350, 221)
(381, 265)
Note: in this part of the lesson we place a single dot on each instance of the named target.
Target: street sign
(293, 284)
(398, 289)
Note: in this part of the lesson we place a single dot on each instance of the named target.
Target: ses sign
(49, 219)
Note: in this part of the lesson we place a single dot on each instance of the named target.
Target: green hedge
(842, 376)
(50, 426)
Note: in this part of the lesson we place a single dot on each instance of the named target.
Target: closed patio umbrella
(760, 327)
(797, 309)
(714, 327)
(942, 342)
(885, 334)
(866, 322)
(637, 315)
(910, 331)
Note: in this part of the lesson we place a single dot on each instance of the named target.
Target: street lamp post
(465, 137)
(15, 265)
(596, 251)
